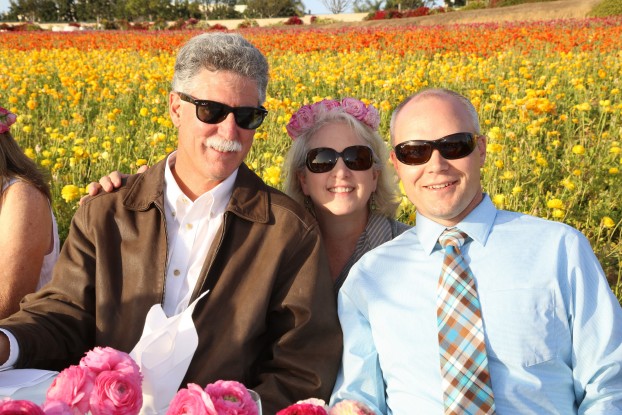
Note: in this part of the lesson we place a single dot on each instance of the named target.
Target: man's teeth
(438, 186)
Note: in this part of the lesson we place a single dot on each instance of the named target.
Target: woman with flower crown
(29, 243)
(337, 168)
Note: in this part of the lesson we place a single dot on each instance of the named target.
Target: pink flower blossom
(303, 409)
(231, 398)
(354, 107)
(349, 407)
(102, 359)
(7, 118)
(73, 386)
(116, 393)
(300, 121)
(56, 408)
(325, 105)
(372, 118)
(9, 406)
(191, 401)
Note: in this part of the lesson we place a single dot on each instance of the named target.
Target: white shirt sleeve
(13, 351)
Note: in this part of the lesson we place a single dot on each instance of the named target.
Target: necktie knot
(452, 237)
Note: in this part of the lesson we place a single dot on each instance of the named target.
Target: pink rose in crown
(231, 398)
(73, 386)
(349, 407)
(325, 105)
(372, 118)
(354, 107)
(7, 118)
(116, 393)
(56, 408)
(9, 406)
(102, 359)
(300, 121)
(191, 401)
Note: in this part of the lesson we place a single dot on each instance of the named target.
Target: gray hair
(218, 51)
(440, 93)
(387, 192)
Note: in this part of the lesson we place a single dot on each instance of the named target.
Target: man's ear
(174, 107)
(481, 148)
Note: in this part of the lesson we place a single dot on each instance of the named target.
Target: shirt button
(176, 273)
(188, 226)
(174, 213)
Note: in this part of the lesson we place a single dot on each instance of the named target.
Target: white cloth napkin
(163, 354)
(29, 384)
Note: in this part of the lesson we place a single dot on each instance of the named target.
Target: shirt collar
(221, 193)
(477, 224)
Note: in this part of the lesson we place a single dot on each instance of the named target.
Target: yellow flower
(516, 190)
(558, 213)
(70, 192)
(555, 204)
(607, 222)
(499, 201)
(614, 170)
(144, 112)
(578, 149)
(141, 162)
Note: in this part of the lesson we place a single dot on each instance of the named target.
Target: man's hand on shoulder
(108, 183)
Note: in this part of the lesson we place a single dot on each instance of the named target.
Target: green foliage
(607, 8)
(474, 5)
(223, 11)
(402, 4)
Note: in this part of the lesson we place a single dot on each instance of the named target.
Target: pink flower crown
(7, 118)
(305, 117)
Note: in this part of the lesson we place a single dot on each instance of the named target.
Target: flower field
(548, 94)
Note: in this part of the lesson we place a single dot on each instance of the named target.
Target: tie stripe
(464, 364)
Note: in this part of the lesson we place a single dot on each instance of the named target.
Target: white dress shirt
(191, 229)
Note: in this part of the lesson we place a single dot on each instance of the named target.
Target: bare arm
(26, 237)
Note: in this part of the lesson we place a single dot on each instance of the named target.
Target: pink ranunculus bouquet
(191, 401)
(310, 406)
(223, 397)
(349, 407)
(9, 406)
(106, 381)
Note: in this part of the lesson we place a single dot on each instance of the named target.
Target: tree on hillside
(337, 6)
(403, 4)
(273, 8)
(366, 6)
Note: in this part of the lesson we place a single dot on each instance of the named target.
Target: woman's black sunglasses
(323, 159)
(451, 147)
(212, 112)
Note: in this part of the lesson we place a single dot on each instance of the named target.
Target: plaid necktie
(464, 364)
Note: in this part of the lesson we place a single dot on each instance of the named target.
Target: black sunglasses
(452, 147)
(323, 159)
(212, 112)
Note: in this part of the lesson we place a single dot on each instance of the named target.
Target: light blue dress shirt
(553, 326)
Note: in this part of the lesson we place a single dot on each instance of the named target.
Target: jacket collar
(250, 199)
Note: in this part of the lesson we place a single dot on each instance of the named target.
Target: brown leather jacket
(270, 320)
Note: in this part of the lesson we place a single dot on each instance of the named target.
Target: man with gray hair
(198, 221)
(475, 310)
